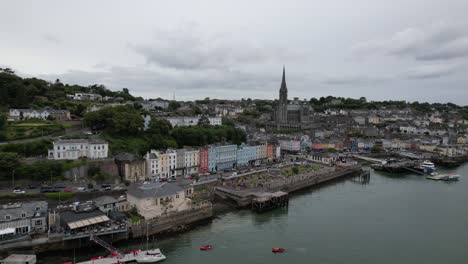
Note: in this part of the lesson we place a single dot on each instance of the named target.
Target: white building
(191, 120)
(152, 105)
(161, 164)
(155, 199)
(86, 97)
(290, 145)
(72, 149)
(20, 114)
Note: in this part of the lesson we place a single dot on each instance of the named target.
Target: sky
(414, 50)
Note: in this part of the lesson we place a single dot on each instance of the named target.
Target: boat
(278, 250)
(150, 256)
(428, 167)
(453, 177)
(206, 247)
(444, 177)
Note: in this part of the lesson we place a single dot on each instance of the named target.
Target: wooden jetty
(267, 201)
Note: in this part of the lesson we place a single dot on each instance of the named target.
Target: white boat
(444, 177)
(150, 256)
(428, 167)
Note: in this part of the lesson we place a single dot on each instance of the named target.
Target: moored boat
(206, 247)
(278, 250)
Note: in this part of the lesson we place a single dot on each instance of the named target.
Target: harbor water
(391, 219)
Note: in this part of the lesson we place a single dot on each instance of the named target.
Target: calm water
(393, 219)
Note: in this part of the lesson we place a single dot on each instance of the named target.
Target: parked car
(108, 188)
(105, 185)
(67, 190)
(81, 189)
(18, 191)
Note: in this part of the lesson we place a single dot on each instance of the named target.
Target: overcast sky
(381, 49)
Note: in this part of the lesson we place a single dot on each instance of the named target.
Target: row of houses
(43, 114)
(171, 163)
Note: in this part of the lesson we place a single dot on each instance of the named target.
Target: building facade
(290, 114)
(43, 114)
(155, 199)
(222, 157)
(23, 218)
(203, 161)
(161, 164)
(72, 149)
(246, 156)
(131, 167)
(178, 121)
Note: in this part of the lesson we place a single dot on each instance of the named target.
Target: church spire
(283, 81)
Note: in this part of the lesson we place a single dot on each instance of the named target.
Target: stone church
(290, 114)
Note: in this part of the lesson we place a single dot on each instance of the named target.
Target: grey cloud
(51, 38)
(188, 49)
(441, 41)
(432, 71)
(354, 80)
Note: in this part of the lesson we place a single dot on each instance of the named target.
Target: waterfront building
(84, 221)
(18, 219)
(43, 114)
(179, 121)
(222, 157)
(131, 167)
(203, 161)
(260, 153)
(293, 146)
(270, 152)
(246, 155)
(161, 164)
(188, 161)
(106, 204)
(158, 198)
(72, 149)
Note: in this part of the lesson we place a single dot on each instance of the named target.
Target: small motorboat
(278, 250)
(206, 247)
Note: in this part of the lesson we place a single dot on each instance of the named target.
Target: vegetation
(200, 136)
(120, 120)
(28, 149)
(32, 128)
(3, 125)
(20, 92)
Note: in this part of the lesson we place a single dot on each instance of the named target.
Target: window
(38, 222)
(177, 196)
(7, 217)
(23, 215)
(38, 208)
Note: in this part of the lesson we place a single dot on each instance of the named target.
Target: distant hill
(17, 92)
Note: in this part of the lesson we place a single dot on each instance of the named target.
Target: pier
(268, 201)
(275, 192)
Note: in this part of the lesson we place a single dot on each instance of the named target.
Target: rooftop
(154, 189)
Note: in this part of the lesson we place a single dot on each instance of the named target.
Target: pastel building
(161, 164)
(246, 155)
(290, 145)
(222, 157)
(203, 161)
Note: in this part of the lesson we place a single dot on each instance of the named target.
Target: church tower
(283, 101)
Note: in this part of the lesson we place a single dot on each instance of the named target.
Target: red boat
(206, 247)
(278, 250)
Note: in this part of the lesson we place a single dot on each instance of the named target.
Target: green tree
(8, 162)
(203, 121)
(3, 125)
(173, 105)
